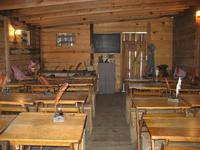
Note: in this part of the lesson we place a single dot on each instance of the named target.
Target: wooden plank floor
(110, 131)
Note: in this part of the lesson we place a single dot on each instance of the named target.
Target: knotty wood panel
(63, 57)
(184, 40)
(161, 37)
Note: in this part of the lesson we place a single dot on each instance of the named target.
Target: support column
(6, 39)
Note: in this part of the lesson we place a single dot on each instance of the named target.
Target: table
(154, 103)
(27, 99)
(39, 129)
(180, 148)
(5, 120)
(193, 100)
(183, 129)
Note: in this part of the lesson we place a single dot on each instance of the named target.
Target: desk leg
(137, 128)
(152, 145)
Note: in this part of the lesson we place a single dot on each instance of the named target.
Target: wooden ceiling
(50, 13)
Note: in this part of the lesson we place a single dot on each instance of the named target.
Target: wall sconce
(198, 17)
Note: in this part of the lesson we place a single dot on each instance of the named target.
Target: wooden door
(133, 55)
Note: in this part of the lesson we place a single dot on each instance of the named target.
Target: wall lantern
(198, 17)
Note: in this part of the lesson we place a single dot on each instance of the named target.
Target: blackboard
(106, 43)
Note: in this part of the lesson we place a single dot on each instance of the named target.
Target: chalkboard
(106, 43)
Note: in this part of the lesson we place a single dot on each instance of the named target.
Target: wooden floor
(110, 131)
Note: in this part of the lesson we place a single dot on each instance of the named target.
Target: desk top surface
(39, 128)
(193, 100)
(158, 103)
(180, 148)
(29, 98)
(5, 120)
(174, 129)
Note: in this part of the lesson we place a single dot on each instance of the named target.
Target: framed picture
(65, 39)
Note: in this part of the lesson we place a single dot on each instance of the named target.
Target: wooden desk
(180, 148)
(9, 87)
(174, 129)
(26, 99)
(15, 102)
(73, 98)
(5, 120)
(154, 103)
(193, 100)
(39, 129)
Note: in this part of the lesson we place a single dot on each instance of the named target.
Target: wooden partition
(61, 58)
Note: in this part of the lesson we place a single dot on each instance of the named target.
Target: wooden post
(197, 49)
(6, 39)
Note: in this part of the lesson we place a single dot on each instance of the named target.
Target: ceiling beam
(105, 14)
(134, 8)
(17, 4)
(97, 4)
(100, 18)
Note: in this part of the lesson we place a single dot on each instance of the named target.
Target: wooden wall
(184, 30)
(160, 31)
(21, 54)
(52, 56)
(63, 57)
(19, 58)
(2, 47)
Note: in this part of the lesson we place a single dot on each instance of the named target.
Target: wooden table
(5, 120)
(26, 99)
(154, 103)
(180, 148)
(39, 129)
(183, 129)
(193, 100)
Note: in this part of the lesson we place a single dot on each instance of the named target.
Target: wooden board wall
(63, 57)
(184, 40)
(53, 56)
(160, 35)
(2, 47)
(20, 58)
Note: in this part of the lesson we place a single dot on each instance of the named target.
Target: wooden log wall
(160, 31)
(2, 47)
(61, 58)
(184, 40)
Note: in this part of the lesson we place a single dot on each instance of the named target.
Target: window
(65, 39)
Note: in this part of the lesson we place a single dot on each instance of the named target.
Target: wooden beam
(17, 4)
(90, 6)
(133, 9)
(110, 15)
(6, 39)
(100, 19)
